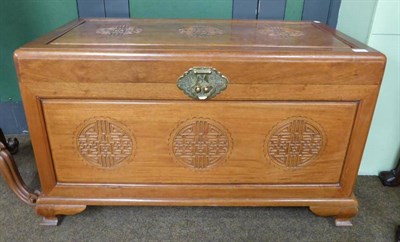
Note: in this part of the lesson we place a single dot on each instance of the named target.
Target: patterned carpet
(379, 215)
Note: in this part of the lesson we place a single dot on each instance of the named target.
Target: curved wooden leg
(342, 211)
(10, 172)
(50, 212)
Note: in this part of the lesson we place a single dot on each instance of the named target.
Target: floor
(379, 215)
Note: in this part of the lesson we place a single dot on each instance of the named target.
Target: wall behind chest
(216, 9)
(21, 22)
(377, 23)
(383, 145)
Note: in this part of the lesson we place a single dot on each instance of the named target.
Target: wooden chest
(198, 113)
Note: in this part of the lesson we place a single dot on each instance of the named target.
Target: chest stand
(9, 171)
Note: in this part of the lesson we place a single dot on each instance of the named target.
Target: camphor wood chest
(197, 113)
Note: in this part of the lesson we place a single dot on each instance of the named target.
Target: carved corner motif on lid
(295, 142)
(279, 32)
(104, 142)
(119, 30)
(200, 143)
(200, 31)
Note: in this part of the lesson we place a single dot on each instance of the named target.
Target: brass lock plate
(202, 83)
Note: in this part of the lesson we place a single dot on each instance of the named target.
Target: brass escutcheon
(202, 83)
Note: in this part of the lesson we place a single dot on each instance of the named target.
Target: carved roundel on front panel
(200, 143)
(295, 142)
(104, 142)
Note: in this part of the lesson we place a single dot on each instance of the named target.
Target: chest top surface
(198, 35)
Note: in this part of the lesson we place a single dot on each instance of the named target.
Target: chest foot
(341, 211)
(51, 213)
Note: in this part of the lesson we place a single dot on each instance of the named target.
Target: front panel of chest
(209, 142)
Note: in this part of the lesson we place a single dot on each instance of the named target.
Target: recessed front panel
(188, 142)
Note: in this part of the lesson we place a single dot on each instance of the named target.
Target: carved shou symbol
(295, 142)
(104, 143)
(200, 31)
(201, 143)
(280, 32)
(119, 30)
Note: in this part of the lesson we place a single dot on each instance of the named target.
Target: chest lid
(197, 35)
(162, 50)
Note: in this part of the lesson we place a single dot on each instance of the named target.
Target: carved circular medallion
(104, 142)
(200, 31)
(280, 32)
(200, 143)
(119, 30)
(294, 142)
